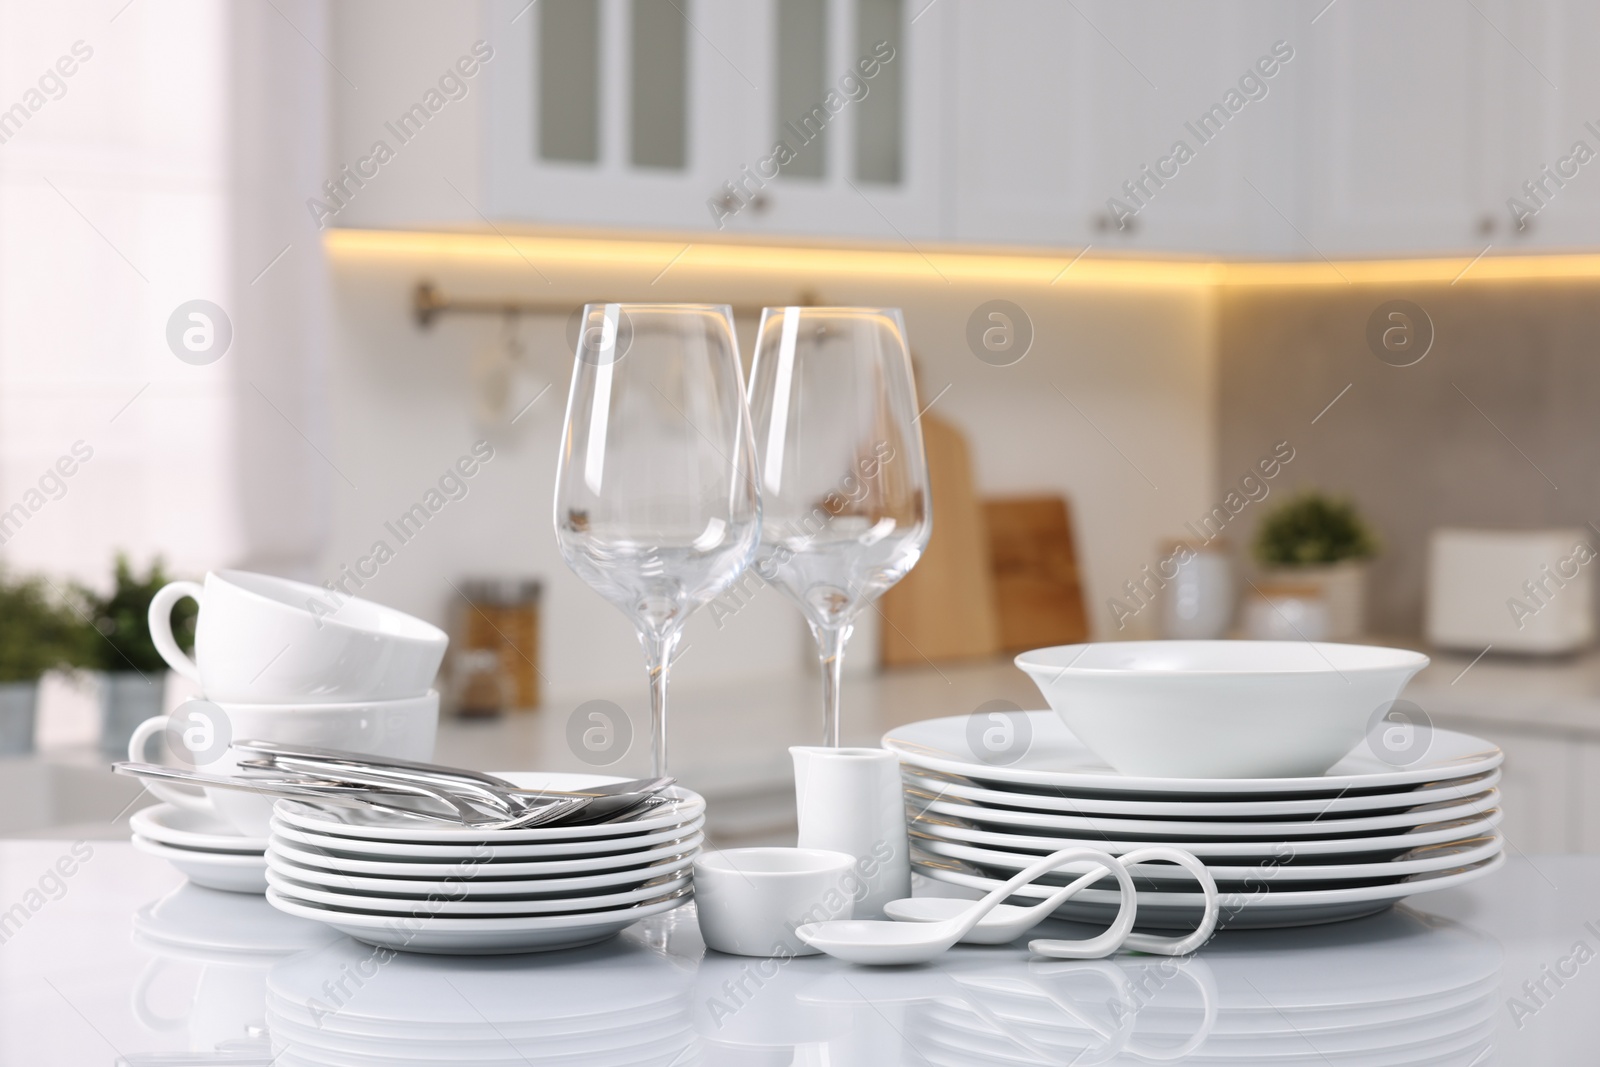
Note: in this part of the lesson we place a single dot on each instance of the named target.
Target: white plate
(1189, 807)
(487, 889)
(308, 856)
(235, 872)
(1116, 828)
(538, 933)
(1418, 861)
(1442, 833)
(1163, 910)
(1052, 758)
(448, 908)
(479, 852)
(356, 822)
(186, 828)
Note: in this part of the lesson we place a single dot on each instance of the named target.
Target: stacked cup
(277, 660)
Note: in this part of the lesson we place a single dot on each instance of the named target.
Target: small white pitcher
(849, 800)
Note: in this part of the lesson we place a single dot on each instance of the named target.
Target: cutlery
(270, 751)
(511, 802)
(884, 941)
(462, 814)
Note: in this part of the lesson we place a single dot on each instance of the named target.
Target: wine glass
(844, 482)
(656, 505)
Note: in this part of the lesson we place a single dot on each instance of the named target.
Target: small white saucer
(189, 829)
(235, 872)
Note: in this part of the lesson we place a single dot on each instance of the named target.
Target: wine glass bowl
(844, 481)
(656, 507)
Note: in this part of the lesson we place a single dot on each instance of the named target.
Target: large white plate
(538, 933)
(1190, 807)
(1125, 829)
(1247, 910)
(448, 908)
(307, 856)
(1439, 834)
(184, 828)
(1418, 861)
(479, 852)
(234, 872)
(356, 822)
(1053, 758)
(488, 889)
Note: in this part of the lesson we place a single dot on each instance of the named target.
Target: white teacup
(750, 900)
(401, 728)
(272, 640)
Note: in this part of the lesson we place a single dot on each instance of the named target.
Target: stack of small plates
(427, 887)
(1284, 851)
(207, 850)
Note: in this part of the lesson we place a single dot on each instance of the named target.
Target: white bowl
(1220, 709)
(750, 900)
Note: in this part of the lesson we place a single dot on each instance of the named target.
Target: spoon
(878, 941)
(1007, 922)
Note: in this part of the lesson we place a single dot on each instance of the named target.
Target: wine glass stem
(830, 648)
(658, 650)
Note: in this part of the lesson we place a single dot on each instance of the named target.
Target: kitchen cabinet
(1419, 121)
(1381, 129)
(784, 116)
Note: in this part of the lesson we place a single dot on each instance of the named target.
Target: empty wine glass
(656, 506)
(844, 482)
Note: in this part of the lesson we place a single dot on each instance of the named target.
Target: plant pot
(1342, 586)
(127, 699)
(19, 705)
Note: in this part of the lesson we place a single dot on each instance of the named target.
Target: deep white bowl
(1220, 709)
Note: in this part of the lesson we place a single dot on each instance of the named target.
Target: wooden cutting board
(945, 608)
(1038, 591)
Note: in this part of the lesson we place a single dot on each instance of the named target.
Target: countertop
(122, 962)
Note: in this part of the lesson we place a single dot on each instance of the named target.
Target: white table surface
(83, 980)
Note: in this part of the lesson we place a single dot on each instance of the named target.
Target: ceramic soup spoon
(886, 942)
(1007, 922)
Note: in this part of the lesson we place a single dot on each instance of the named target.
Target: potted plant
(38, 632)
(133, 672)
(1316, 540)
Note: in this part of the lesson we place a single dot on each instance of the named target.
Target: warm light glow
(941, 264)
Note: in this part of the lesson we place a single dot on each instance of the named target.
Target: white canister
(1199, 601)
(849, 800)
(1287, 613)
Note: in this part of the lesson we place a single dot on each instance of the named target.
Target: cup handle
(1177, 946)
(171, 794)
(141, 999)
(161, 625)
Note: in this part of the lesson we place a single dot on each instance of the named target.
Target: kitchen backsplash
(1493, 425)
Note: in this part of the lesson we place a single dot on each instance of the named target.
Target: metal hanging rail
(428, 303)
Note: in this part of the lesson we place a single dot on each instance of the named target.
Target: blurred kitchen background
(1165, 270)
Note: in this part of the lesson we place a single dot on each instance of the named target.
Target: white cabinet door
(855, 92)
(1415, 120)
(1539, 794)
(1077, 126)
(1552, 197)
(614, 112)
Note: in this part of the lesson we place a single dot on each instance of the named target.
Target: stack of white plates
(428, 887)
(207, 850)
(1284, 851)
(621, 1003)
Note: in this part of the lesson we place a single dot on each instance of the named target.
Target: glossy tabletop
(107, 956)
